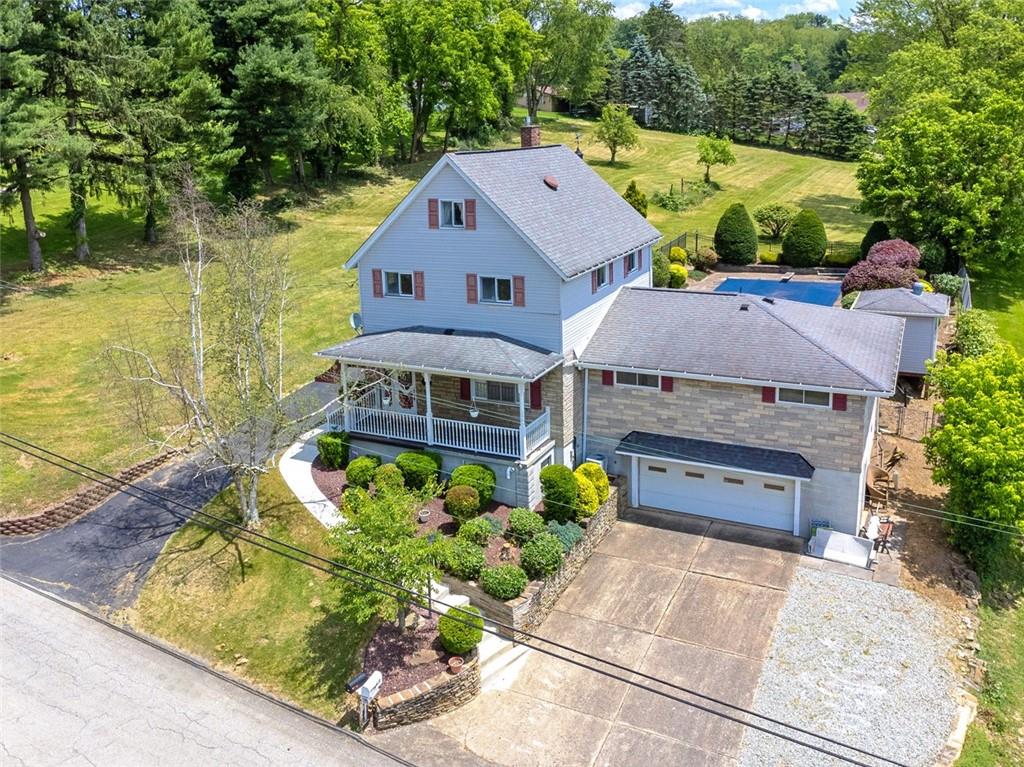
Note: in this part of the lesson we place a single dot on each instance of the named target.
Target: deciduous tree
(617, 129)
(714, 151)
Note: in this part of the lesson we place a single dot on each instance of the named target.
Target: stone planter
(441, 693)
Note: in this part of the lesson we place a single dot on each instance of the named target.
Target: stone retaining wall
(441, 693)
(80, 503)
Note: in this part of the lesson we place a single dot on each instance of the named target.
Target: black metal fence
(685, 239)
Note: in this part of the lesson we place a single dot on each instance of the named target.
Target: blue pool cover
(822, 293)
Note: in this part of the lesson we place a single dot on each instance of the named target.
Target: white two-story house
(507, 317)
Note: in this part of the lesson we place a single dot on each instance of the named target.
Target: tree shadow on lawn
(835, 210)
(334, 652)
(995, 291)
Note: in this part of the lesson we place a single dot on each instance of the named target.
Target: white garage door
(718, 493)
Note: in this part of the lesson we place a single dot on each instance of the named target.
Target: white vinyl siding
(919, 339)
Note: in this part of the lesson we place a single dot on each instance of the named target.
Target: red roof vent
(551, 182)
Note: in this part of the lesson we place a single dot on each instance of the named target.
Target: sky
(752, 9)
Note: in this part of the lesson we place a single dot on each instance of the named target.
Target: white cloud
(811, 6)
(628, 10)
(753, 12)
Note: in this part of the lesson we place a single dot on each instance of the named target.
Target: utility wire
(415, 598)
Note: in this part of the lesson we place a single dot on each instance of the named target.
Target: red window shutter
(464, 387)
(666, 383)
(593, 281)
(519, 291)
(378, 284)
(608, 377)
(839, 402)
(471, 297)
(768, 394)
(535, 395)
(470, 213)
(433, 220)
(417, 286)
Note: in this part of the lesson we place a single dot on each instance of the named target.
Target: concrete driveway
(685, 599)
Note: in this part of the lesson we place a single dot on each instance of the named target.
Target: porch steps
(501, 660)
(444, 599)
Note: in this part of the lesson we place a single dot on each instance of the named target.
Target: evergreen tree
(735, 236)
(636, 198)
(805, 241)
(638, 85)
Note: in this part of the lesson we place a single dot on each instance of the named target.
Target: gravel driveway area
(865, 663)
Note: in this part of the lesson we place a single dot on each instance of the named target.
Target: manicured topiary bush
(569, 534)
(523, 524)
(460, 629)
(659, 270)
(597, 475)
(677, 255)
(735, 236)
(418, 467)
(899, 253)
(462, 502)
(866, 275)
(805, 242)
(950, 284)
(462, 558)
(360, 470)
(332, 447)
(542, 555)
(677, 275)
(559, 489)
(586, 501)
(704, 259)
(933, 258)
(481, 478)
(877, 232)
(476, 531)
(504, 582)
(387, 478)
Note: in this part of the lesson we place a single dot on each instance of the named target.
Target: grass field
(55, 387)
(1001, 297)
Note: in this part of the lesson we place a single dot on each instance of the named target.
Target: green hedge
(559, 489)
(360, 470)
(461, 629)
(504, 582)
(597, 475)
(542, 555)
(587, 502)
(462, 558)
(735, 236)
(878, 231)
(805, 242)
(523, 524)
(479, 477)
(332, 447)
(418, 467)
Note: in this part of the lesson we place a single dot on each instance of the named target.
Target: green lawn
(225, 600)
(54, 385)
(1001, 296)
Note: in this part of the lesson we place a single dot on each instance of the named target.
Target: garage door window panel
(732, 481)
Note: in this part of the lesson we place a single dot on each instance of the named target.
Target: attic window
(551, 182)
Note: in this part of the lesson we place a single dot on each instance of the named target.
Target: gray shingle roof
(771, 341)
(903, 301)
(760, 459)
(458, 352)
(578, 226)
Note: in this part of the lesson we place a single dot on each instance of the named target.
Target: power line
(416, 599)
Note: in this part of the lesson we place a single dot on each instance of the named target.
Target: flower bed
(330, 482)
(406, 658)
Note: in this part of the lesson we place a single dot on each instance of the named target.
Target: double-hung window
(632, 262)
(398, 284)
(452, 214)
(496, 290)
(602, 276)
(643, 380)
(802, 397)
(496, 391)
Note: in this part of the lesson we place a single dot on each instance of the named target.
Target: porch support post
(345, 418)
(634, 480)
(796, 507)
(430, 410)
(522, 420)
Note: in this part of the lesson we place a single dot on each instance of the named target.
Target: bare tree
(216, 384)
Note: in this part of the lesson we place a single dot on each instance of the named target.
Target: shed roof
(903, 302)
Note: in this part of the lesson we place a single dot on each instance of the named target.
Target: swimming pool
(822, 293)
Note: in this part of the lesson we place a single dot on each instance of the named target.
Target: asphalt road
(76, 691)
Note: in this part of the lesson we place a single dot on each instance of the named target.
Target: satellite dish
(356, 321)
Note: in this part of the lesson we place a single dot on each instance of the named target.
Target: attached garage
(737, 483)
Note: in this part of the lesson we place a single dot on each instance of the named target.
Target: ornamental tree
(636, 198)
(714, 151)
(773, 219)
(617, 129)
(895, 253)
(866, 275)
(735, 237)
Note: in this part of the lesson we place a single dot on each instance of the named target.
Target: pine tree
(637, 69)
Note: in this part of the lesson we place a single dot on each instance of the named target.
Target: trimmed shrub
(523, 524)
(569, 534)
(848, 300)
(462, 558)
(504, 582)
(773, 219)
(659, 270)
(332, 448)
(418, 467)
(462, 502)
(735, 236)
(877, 232)
(933, 258)
(461, 629)
(767, 257)
(975, 334)
(586, 502)
(704, 259)
(387, 478)
(360, 470)
(950, 284)
(805, 242)
(542, 555)
(479, 477)
(559, 489)
(866, 275)
(597, 475)
(898, 253)
(677, 276)
(677, 255)
(476, 531)
(636, 198)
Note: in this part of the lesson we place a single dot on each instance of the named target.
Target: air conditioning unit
(598, 459)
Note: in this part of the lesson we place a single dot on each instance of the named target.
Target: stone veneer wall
(441, 693)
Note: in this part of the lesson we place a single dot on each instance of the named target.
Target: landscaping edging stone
(81, 502)
(441, 693)
(528, 611)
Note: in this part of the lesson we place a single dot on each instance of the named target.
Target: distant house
(550, 101)
(859, 99)
(922, 311)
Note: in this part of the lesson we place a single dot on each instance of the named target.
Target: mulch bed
(330, 482)
(406, 658)
(444, 523)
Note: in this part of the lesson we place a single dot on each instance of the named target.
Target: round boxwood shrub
(523, 524)
(877, 232)
(677, 255)
(899, 253)
(462, 502)
(461, 629)
(463, 559)
(704, 259)
(735, 236)
(595, 474)
(418, 468)
(360, 470)
(568, 534)
(950, 284)
(805, 242)
(479, 477)
(332, 447)
(387, 478)
(542, 555)
(866, 275)
(677, 275)
(587, 502)
(504, 582)
(476, 531)
(559, 489)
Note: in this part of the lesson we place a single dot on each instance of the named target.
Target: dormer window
(452, 214)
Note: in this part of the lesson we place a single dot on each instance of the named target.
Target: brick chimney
(529, 134)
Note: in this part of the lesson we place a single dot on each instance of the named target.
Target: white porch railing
(539, 431)
(478, 437)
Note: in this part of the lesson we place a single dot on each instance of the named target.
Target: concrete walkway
(296, 470)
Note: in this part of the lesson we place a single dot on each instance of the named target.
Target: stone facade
(441, 693)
